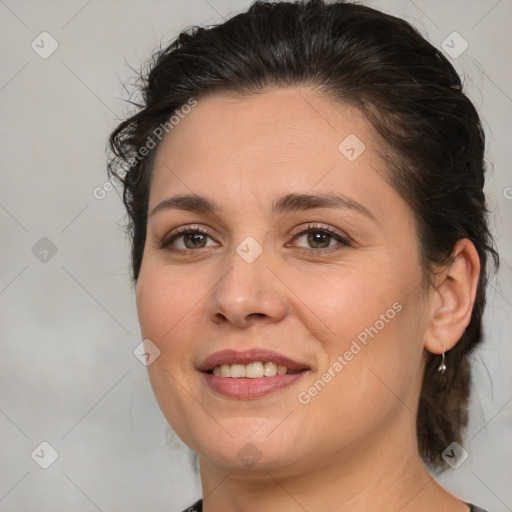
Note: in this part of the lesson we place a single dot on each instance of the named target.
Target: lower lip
(247, 389)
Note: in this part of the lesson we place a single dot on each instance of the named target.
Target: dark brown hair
(430, 132)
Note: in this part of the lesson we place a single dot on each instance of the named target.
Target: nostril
(221, 317)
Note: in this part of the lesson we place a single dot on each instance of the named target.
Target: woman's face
(296, 250)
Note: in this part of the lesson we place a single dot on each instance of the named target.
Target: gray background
(68, 325)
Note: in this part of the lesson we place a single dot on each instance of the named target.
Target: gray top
(198, 507)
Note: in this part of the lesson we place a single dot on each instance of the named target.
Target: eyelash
(344, 241)
(184, 230)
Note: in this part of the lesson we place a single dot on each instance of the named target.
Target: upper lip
(249, 356)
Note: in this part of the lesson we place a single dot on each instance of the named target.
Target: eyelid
(312, 226)
(344, 241)
(183, 230)
(343, 238)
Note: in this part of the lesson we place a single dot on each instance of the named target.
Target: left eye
(319, 239)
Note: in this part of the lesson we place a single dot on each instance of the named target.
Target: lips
(246, 388)
(250, 356)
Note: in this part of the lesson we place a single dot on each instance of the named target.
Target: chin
(247, 448)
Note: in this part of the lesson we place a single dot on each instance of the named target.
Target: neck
(386, 474)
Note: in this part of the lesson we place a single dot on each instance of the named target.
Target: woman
(305, 189)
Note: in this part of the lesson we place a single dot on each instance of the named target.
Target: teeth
(225, 370)
(270, 369)
(237, 370)
(251, 371)
(254, 370)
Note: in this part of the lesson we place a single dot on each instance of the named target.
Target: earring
(442, 366)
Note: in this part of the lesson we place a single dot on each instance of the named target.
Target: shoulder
(198, 507)
(474, 508)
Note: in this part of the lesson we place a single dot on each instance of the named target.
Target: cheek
(165, 300)
(150, 300)
(345, 304)
(370, 326)
(165, 306)
(376, 357)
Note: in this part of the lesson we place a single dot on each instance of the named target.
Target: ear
(451, 298)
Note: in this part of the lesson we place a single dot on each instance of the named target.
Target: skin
(353, 446)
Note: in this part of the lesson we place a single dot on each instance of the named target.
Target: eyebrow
(189, 202)
(287, 203)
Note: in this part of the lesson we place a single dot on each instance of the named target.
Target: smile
(250, 374)
(254, 370)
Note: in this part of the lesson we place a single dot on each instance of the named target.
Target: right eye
(186, 238)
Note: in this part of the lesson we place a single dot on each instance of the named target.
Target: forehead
(280, 136)
(278, 121)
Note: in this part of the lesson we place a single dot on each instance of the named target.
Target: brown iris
(318, 239)
(194, 240)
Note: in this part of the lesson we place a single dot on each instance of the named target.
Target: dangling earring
(442, 366)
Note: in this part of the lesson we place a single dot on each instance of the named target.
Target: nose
(247, 293)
